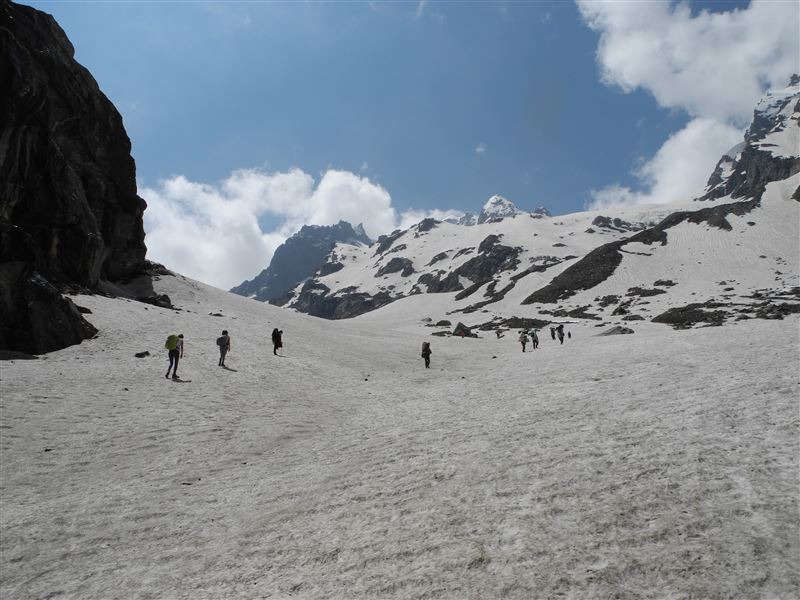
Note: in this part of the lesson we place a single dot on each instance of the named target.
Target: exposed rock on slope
(298, 258)
(768, 153)
(69, 211)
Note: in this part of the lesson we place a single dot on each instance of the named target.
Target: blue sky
(439, 104)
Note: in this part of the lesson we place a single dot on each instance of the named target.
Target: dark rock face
(426, 225)
(315, 300)
(600, 263)
(402, 265)
(385, 241)
(69, 211)
(616, 224)
(492, 258)
(644, 292)
(298, 258)
(617, 330)
(748, 168)
(437, 258)
(437, 285)
(36, 317)
(67, 179)
(685, 316)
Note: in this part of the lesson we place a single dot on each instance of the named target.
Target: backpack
(222, 341)
(172, 342)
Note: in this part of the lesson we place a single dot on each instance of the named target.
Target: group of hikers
(533, 337)
(174, 346)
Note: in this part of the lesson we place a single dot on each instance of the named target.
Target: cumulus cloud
(679, 169)
(714, 66)
(215, 233)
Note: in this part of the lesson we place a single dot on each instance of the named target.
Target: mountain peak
(497, 208)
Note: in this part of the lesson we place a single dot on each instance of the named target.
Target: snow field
(663, 463)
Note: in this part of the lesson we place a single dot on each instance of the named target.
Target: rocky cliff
(298, 258)
(70, 215)
(768, 152)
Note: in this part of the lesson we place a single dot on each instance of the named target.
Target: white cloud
(480, 148)
(421, 8)
(364, 166)
(715, 66)
(679, 169)
(213, 232)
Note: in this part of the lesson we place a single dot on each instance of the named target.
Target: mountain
(630, 263)
(70, 216)
(299, 257)
(494, 210)
(497, 208)
(769, 151)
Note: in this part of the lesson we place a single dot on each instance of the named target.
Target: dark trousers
(174, 356)
(222, 353)
(427, 361)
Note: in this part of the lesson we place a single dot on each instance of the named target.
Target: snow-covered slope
(663, 463)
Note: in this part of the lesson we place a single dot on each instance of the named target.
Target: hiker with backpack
(224, 343)
(560, 332)
(523, 339)
(426, 354)
(174, 346)
(534, 339)
(277, 340)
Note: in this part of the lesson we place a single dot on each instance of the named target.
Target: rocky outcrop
(745, 170)
(599, 264)
(70, 215)
(404, 266)
(616, 224)
(315, 300)
(299, 258)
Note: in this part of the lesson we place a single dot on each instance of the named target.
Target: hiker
(426, 354)
(277, 341)
(498, 333)
(523, 339)
(560, 332)
(224, 343)
(534, 339)
(553, 332)
(569, 334)
(174, 346)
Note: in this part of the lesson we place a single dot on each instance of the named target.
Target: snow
(784, 139)
(663, 463)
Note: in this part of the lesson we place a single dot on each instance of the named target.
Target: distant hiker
(534, 339)
(553, 332)
(523, 339)
(569, 334)
(426, 354)
(498, 333)
(174, 346)
(277, 340)
(560, 332)
(224, 343)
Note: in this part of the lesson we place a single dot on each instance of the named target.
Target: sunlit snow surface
(658, 464)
